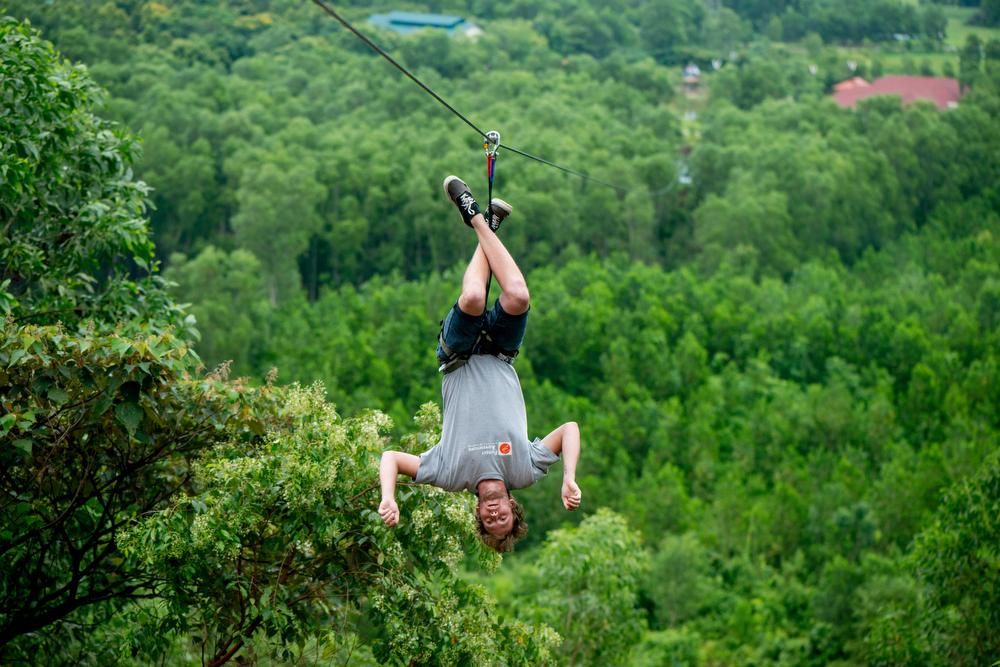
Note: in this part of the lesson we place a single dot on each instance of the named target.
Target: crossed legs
(504, 323)
(491, 254)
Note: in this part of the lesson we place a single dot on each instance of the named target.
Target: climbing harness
(491, 145)
(483, 345)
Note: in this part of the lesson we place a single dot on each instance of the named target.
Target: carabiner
(492, 143)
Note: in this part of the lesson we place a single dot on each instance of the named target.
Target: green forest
(224, 255)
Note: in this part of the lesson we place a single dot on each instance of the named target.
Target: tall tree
(989, 12)
(279, 542)
(278, 214)
(75, 239)
(970, 60)
(591, 576)
(98, 408)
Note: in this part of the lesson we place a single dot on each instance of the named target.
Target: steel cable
(379, 50)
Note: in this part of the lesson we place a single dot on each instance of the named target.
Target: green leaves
(129, 414)
(7, 422)
(777, 412)
(589, 579)
(57, 395)
(68, 201)
(957, 558)
(281, 538)
(97, 429)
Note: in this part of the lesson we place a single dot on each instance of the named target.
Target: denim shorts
(461, 330)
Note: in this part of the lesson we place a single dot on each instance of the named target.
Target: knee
(472, 301)
(516, 299)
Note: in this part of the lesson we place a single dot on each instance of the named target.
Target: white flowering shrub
(281, 541)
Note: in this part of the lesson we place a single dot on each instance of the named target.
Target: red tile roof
(856, 82)
(943, 92)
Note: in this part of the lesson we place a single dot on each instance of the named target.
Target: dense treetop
(786, 369)
(126, 470)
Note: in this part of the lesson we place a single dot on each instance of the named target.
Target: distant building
(692, 78)
(943, 92)
(851, 84)
(408, 22)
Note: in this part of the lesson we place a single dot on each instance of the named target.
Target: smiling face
(494, 509)
(499, 519)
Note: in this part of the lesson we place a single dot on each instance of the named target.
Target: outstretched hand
(570, 495)
(389, 512)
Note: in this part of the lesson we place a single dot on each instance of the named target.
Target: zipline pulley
(491, 145)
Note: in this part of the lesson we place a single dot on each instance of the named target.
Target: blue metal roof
(407, 22)
(435, 20)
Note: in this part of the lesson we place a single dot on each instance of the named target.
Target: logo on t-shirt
(504, 449)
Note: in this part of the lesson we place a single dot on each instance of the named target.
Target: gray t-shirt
(485, 431)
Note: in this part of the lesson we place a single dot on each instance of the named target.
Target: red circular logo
(505, 448)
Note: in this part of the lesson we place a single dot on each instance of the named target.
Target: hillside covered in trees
(225, 253)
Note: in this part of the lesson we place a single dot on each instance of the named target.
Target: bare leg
(514, 299)
(473, 298)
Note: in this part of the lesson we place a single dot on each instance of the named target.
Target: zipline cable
(566, 169)
(377, 49)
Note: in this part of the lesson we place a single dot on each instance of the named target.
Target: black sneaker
(499, 210)
(458, 193)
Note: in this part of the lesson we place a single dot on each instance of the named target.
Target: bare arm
(392, 464)
(565, 440)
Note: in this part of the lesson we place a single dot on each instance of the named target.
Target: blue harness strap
(484, 345)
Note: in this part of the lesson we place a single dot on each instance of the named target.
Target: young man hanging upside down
(484, 444)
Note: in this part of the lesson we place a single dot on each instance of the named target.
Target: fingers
(389, 514)
(571, 502)
(571, 498)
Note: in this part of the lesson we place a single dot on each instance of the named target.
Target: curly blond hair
(507, 542)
